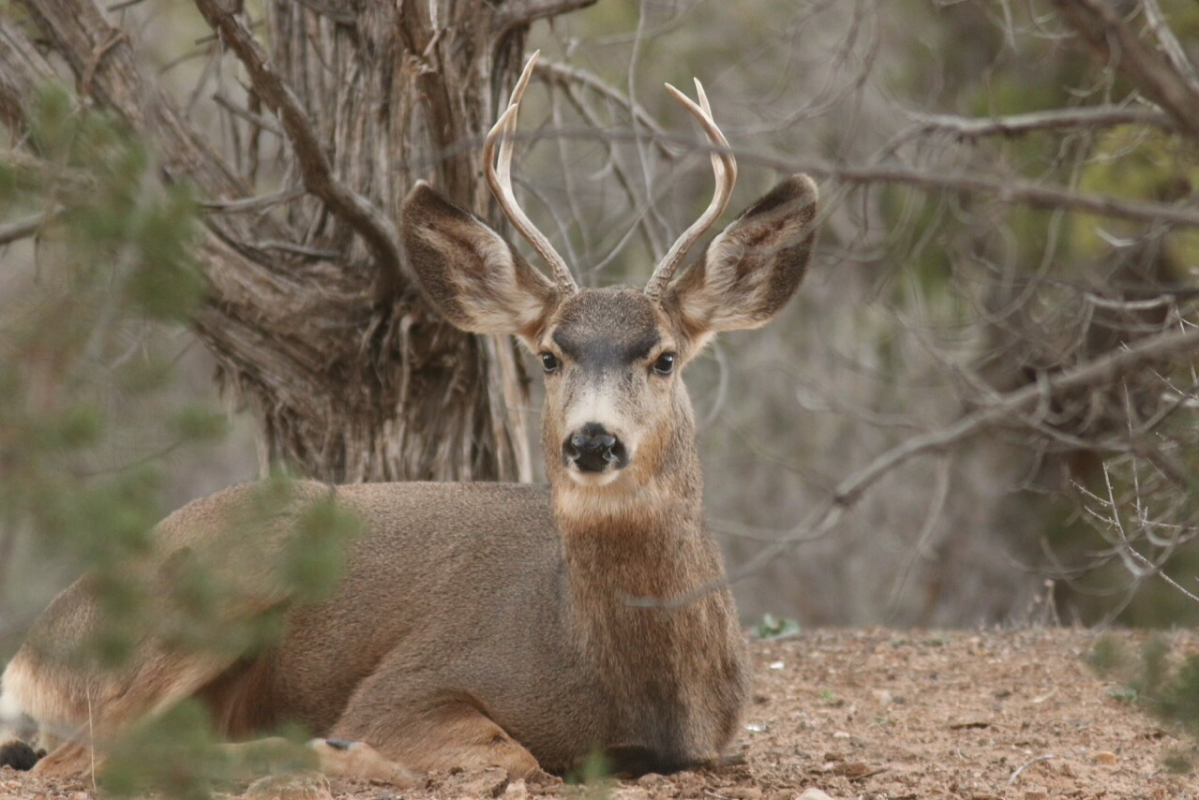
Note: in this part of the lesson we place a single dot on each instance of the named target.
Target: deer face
(610, 359)
(615, 405)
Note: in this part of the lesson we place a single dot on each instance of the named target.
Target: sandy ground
(886, 714)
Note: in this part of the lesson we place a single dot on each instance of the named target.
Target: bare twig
(1109, 35)
(249, 116)
(254, 203)
(377, 231)
(1098, 372)
(1055, 119)
(1016, 774)
(212, 37)
(649, 232)
(93, 62)
(1170, 44)
(1006, 190)
(25, 227)
(523, 12)
(552, 72)
(1009, 191)
(298, 249)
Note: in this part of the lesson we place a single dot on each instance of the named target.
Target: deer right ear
(752, 269)
(474, 277)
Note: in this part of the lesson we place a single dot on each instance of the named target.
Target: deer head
(616, 413)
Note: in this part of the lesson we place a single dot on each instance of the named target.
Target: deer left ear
(471, 273)
(752, 268)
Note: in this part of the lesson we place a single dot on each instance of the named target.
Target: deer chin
(593, 480)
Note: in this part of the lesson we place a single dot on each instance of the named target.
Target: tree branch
(1055, 119)
(1174, 50)
(1005, 190)
(22, 68)
(1105, 30)
(22, 228)
(523, 12)
(563, 75)
(377, 231)
(1101, 371)
(78, 31)
(1008, 191)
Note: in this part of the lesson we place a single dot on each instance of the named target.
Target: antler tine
(725, 168)
(499, 178)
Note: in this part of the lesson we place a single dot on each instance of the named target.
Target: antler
(499, 178)
(725, 167)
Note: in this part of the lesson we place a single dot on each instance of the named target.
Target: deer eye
(665, 364)
(550, 362)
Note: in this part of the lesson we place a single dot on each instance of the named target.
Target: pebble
(813, 794)
(1105, 757)
(631, 793)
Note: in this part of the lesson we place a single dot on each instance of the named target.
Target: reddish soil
(883, 714)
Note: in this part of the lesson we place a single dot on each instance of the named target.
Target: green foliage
(174, 753)
(85, 422)
(772, 627)
(1108, 656)
(178, 754)
(596, 774)
(1161, 681)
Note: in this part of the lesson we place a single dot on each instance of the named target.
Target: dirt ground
(886, 714)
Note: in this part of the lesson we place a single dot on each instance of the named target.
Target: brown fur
(482, 624)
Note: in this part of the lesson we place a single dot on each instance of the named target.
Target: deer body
(490, 624)
(543, 653)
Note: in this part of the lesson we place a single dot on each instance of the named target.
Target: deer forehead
(611, 327)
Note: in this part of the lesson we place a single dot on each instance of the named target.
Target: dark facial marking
(607, 328)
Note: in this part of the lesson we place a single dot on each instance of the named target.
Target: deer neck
(636, 548)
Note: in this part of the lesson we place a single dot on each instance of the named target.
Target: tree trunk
(313, 316)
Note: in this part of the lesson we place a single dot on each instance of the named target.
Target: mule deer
(488, 624)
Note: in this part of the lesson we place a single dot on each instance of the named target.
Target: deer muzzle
(593, 448)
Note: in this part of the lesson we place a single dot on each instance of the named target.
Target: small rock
(542, 780)
(813, 794)
(651, 779)
(883, 697)
(1036, 794)
(840, 735)
(631, 793)
(516, 791)
(852, 769)
(743, 792)
(1105, 757)
(297, 786)
(491, 782)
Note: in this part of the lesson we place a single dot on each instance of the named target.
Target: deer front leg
(341, 758)
(438, 737)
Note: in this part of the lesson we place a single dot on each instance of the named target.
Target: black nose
(593, 448)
